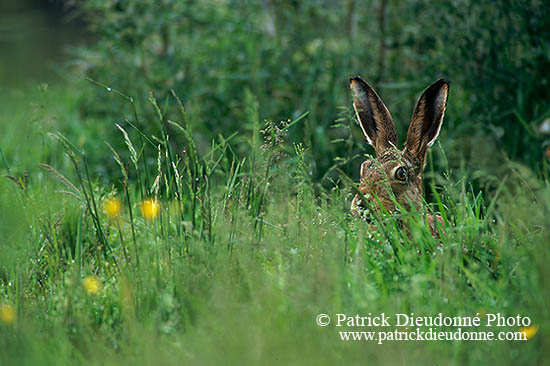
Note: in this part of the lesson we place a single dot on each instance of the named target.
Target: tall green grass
(246, 250)
(297, 56)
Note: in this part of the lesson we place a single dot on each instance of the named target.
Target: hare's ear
(427, 120)
(374, 117)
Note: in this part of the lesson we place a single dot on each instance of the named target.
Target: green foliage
(498, 52)
(214, 53)
(297, 56)
(159, 213)
(243, 254)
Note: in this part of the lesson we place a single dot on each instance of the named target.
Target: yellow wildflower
(150, 208)
(530, 331)
(92, 285)
(112, 207)
(7, 314)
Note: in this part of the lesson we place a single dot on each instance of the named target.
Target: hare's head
(395, 172)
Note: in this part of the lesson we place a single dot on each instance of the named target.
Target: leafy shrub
(293, 57)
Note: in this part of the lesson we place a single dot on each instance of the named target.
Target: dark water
(35, 41)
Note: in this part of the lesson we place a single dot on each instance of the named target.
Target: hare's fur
(396, 175)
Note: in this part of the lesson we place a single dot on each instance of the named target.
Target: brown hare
(394, 172)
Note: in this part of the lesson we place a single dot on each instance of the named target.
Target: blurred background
(35, 38)
(281, 58)
(248, 242)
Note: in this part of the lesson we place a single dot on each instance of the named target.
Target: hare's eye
(401, 174)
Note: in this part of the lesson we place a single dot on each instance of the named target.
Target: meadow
(182, 194)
